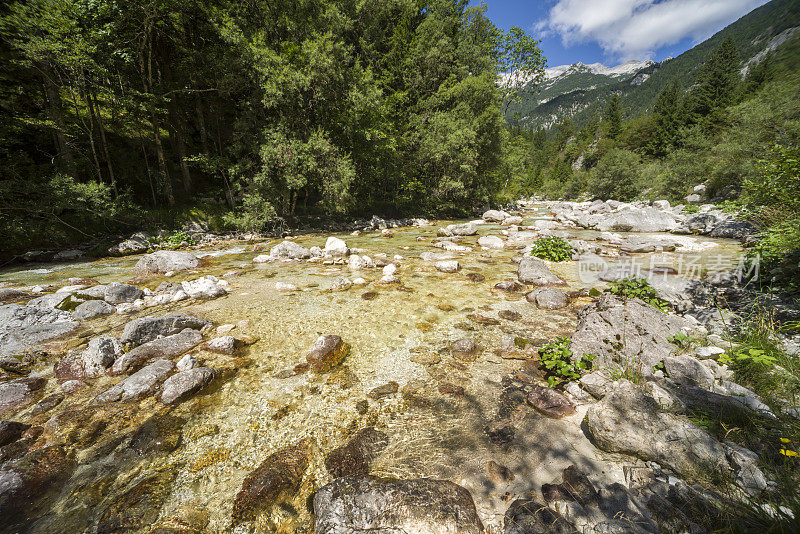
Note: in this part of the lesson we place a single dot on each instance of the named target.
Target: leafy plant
(173, 240)
(556, 358)
(552, 248)
(755, 356)
(638, 288)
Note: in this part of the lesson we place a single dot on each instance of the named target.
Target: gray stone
(24, 327)
(535, 271)
(464, 229)
(164, 261)
(436, 256)
(289, 250)
(162, 348)
(184, 384)
(14, 393)
(206, 287)
(364, 503)
(135, 244)
(146, 329)
(628, 421)
(686, 369)
(222, 345)
(447, 266)
(625, 333)
(548, 298)
(91, 309)
(335, 247)
(99, 355)
(117, 293)
(491, 242)
(140, 383)
(495, 216)
(646, 219)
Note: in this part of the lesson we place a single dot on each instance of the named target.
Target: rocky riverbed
(377, 381)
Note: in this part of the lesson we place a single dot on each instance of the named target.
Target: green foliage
(681, 340)
(556, 358)
(612, 117)
(616, 175)
(552, 248)
(173, 240)
(638, 288)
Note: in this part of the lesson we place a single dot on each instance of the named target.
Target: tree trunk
(57, 116)
(103, 141)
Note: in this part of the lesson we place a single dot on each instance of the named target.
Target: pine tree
(612, 118)
(667, 120)
(717, 81)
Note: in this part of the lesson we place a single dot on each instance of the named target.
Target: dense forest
(118, 115)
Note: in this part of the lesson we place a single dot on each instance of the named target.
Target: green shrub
(552, 249)
(638, 288)
(616, 176)
(173, 240)
(556, 358)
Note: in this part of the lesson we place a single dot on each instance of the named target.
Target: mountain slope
(581, 94)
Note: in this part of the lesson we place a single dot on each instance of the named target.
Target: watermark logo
(591, 268)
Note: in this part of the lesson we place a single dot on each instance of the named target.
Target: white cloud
(635, 29)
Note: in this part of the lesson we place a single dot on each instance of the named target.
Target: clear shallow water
(251, 412)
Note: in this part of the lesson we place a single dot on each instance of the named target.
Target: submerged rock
(491, 242)
(550, 402)
(159, 433)
(16, 393)
(146, 329)
(357, 455)
(447, 266)
(117, 293)
(184, 384)
(92, 362)
(222, 345)
(531, 516)
(366, 503)
(327, 352)
(165, 261)
(279, 475)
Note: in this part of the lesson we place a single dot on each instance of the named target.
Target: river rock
(327, 352)
(436, 256)
(279, 475)
(550, 402)
(335, 247)
(165, 261)
(491, 242)
(548, 298)
(535, 271)
(25, 481)
(24, 327)
(647, 219)
(135, 244)
(117, 293)
(91, 309)
(290, 250)
(366, 503)
(184, 384)
(222, 345)
(92, 362)
(464, 229)
(452, 247)
(447, 266)
(285, 286)
(18, 392)
(624, 333)
(11, 431)
(513, 220)
(161, 348)
(146, 329)
(159, 433)
(495, 216)
(357, 455)
(340, 283)
(13, 294)
(356, 262)
(531, 516)
(511, 286)
(384, 390)
(629, 422)
(207, 287)
(140, 383)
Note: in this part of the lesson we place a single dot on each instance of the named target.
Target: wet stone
(327, 352)
(482, 319)
(139, 506)
(146, 329)
(497, 473)
(550, 402)
(509, 315)
(371, 504)
(184, 384)
(362, 407)
(475, 277)
(384, 390)
(529, 516)
(279, 475)
(369, 295)
(500, 434)
(11, 431)
(357, 455)
(511, 286)
(159, 433)
(426, 359)
(222, 345)
(451, 390)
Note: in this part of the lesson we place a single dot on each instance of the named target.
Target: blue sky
(614, 31)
